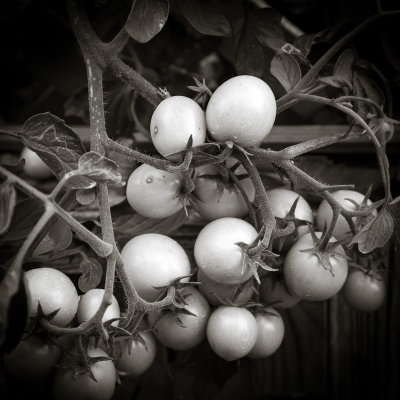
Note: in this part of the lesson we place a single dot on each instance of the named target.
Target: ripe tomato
(342, 229)
(136, 356)
(243, 110)
(270, 333)
(170, 331)
(218, 256)
(274, 293)
(307, 278)
(152, 260)
(363, 291)
(174, 120)
(218, 294)
(54, 291)
(32, 359)
(89, 304)
(82, 386)
(211, 203)
(231, 332)
(153, 192)
(34, 167)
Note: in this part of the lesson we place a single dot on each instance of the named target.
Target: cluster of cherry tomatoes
(226, 304)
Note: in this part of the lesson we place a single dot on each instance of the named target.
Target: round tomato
(242, 110)
(32, 359)
(153, 192)
(54, 291)
(346, 199)
(274, 293)
(270, 333)
(217, 254)
(136, 356)
(174, 120)
(212, 203)
(153, 260)
(364, 291)
(231, 332)
(218, 294)
(180, 331)
(34, 167)
(82, 387)
(305, 275)
(89, 303)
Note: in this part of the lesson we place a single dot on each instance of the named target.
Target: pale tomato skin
(231, 332)
(342, 229)
(32, 359)
(171, 334)
(364, 292)
(54, 290)
(218, 294)
(152, 260)
(34, 167)
(211, 204)
(137, 357)
(83, 387)
(174, 120)
(270, 334)
(216, 253)
(154, 193)
(89, 304)
(242, 110)
(307, 278)
(273, 293)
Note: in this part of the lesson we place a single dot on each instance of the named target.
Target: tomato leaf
(205, 18)
(57, 239)
(92, 272)
(376, 233)
(98, 168)
(267, 25)
(128, 226)
(8, 198)
(146, 19)
(250, 58)
(286, 70)
(54, 142)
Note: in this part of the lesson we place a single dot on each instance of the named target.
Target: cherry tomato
(82, 387)
(34, 167)
(89, 304)
(174, 120)
(180, 331)
(270, 333)
(32, 359)
(211, 203)
(345, 198)
(136, 356)
(218, 294)
(217, 254)
(231, 332)
(274, 293)
(242, 110)
(364, 291)
(305, 275)
(152, 260)
(54, 291)
(153, 192)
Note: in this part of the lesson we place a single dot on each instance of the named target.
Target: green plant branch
(314, 70)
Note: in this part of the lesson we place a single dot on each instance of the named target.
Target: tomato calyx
(202, 90)
(324, 249)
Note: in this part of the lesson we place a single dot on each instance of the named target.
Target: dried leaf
(92, 272)
(146, 19)
(205, 18)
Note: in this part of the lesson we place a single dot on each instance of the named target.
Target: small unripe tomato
(174, 120)
(242, 110)
(34, 167)
(154, 193)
